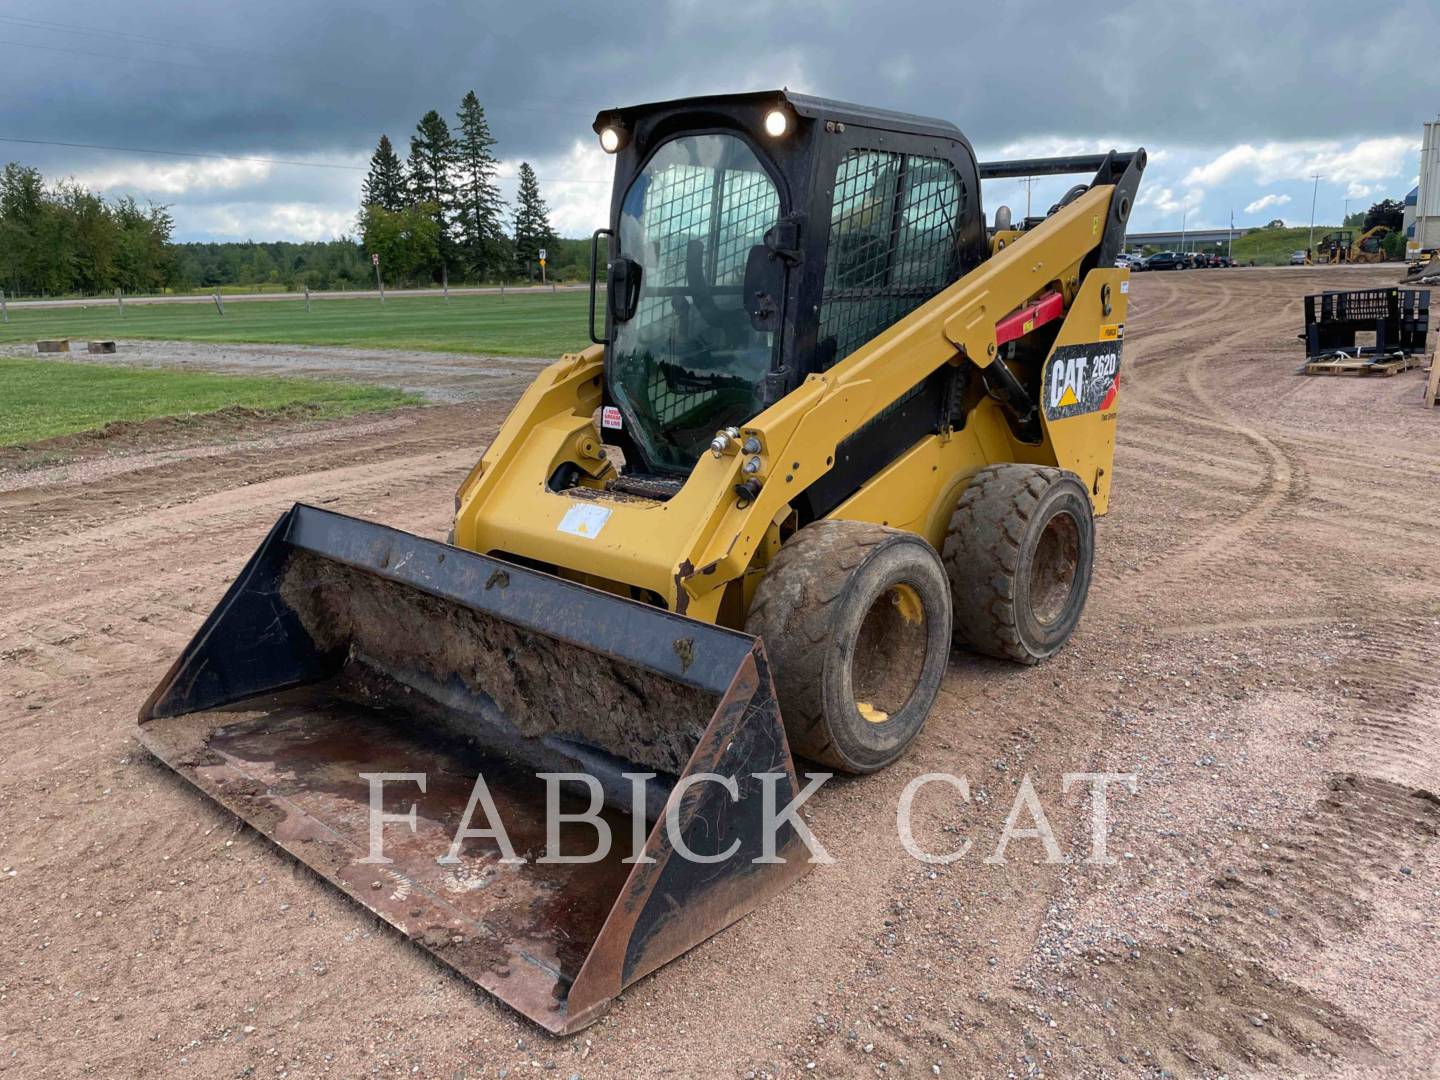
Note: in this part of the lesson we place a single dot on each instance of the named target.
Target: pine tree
(481, 210)
(385, 184)
(532, 221)
(432, 176)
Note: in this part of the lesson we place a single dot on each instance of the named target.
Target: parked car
(1298, 258)
(1197, 260)
(1127, 261)
(1167, 260)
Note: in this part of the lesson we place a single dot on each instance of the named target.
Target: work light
(777, 123)
(612, 138)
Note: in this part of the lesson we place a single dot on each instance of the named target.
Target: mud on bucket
(347, 650)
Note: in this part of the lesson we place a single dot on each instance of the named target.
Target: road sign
(374, 260)
(542, 254)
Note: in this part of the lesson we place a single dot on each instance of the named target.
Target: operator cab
(757, 238)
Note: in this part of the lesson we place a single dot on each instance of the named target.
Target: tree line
(439, 216)
(325, 264)
(319, 265)
(61, 239)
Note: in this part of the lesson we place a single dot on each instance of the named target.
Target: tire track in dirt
(1294, 892)
(1277, 485)
(182, 524)
(1317, 881)
(986, 971)
(1390, 676)
(1194, 1001)
(117, 465)
(64, 508)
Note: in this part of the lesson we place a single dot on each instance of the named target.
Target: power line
(255, 160)
(333, 85)
(103, 56)
(71, 28)
(566, 108)
(563, 180)
(184, 153)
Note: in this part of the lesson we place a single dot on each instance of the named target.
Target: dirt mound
(542, 686)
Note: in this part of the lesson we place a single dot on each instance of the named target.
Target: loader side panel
(1080, 383)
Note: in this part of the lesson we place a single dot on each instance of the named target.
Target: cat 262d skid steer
(832, 419)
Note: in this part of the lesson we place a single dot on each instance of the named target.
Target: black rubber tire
(1019, 553)
(852, 612)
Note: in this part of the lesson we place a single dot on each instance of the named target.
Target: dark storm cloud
(303, 76)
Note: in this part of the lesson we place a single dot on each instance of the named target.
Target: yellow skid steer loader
(831, 419)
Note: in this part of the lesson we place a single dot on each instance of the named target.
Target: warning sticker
(1112, 331)
(584, 519)
(610, 417)
(1082, 378)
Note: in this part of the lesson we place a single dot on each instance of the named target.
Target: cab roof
(813, 108)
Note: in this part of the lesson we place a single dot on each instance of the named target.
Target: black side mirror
(764, 286)
(623, 288)
(765, 268)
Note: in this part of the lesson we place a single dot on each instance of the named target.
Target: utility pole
(1315, 192)
(379, 282)
(1230, 238)
(1184, 213)
(1029, 183)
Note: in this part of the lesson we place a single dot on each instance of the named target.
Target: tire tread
(983, 548)
(817, 561)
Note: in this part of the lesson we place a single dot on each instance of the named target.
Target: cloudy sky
(1239, 102)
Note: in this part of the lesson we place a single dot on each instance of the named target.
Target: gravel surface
(1259, 650)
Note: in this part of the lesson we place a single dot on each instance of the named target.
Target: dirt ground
(1261, 648)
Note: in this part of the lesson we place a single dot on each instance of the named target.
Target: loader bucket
(347, 649)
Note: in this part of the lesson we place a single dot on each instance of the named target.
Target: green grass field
(45, 398)
(1268, 247)
(1272, 247)
(536, 324)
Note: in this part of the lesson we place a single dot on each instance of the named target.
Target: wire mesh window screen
(749, 205)
(689, 361)
(677, 210)
(726, 212)
(894, 227)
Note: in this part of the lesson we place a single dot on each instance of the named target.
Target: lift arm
(800, 433)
